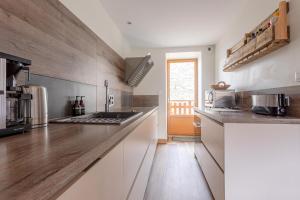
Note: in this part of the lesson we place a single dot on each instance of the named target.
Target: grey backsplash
(145, 100)
(61, 94)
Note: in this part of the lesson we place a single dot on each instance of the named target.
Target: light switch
(297, 76)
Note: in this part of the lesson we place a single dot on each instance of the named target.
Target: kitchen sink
(114, 118)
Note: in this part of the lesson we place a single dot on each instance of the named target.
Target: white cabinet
(261, 160)
(123, 173)
(213, 174)
(102, 181)
(212, 136)
(135, 148)
(210, 155)
(138, 189)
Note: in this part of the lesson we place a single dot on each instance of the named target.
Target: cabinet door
(135, 147)
(138, 190)
(212, 136)
(103, 181)
(213, 174)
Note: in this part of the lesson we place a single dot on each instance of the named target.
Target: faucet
(106, 96)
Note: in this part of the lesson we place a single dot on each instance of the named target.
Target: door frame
(169, 61)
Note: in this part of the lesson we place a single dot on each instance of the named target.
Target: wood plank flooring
(176, 174)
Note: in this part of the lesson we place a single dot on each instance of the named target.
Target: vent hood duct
(136, 69)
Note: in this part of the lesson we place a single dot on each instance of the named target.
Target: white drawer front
(213, 174)
(135, 147)
(212, 136)
(140, 184)
(98, 181)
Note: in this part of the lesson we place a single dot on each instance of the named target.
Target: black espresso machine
(15, 105)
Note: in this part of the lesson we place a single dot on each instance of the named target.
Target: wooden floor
(176, 174)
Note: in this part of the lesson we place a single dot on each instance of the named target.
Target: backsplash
(61, 94)
(60, 100)
(244, 98)
(145, 100)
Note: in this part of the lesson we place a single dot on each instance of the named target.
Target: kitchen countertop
(245, 117)
(41, 164)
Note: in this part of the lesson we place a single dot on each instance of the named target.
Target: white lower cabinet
(250, 161)
(213, 174)
(123, 173)
(210, 155)
(140, 184)
(212, 136)
(102, 181)
(135, 148)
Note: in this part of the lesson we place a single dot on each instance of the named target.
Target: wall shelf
(270, 35)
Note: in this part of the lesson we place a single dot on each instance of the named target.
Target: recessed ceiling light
(129, 22)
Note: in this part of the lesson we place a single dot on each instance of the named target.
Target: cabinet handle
(197, 124)
(1, 92)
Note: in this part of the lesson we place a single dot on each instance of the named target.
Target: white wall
(93, 14)
(274, 70)
(155, 81)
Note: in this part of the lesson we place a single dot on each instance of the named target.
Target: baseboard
(162, 141)
(184, 138)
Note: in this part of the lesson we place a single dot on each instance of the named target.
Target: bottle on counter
(76, 107)
(82, 106)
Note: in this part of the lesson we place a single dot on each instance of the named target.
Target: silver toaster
(220, 99)
(270, 104)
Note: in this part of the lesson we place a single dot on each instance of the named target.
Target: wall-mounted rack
(268, 36)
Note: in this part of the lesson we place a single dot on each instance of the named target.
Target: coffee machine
(15, 104)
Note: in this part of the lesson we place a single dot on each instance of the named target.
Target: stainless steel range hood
(136, 69)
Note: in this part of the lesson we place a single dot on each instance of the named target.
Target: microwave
(220, 99)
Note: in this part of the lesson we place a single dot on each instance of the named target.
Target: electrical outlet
(111, 100)
(297, 76)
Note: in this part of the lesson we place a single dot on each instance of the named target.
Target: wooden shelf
(268, 38)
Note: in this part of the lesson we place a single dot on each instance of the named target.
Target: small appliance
(270, 104)
(220, 99)
(39, 105)
(14, 103)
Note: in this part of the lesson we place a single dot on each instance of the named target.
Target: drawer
(213, 174)
(140, 184)
(135, 148)
(212, 136)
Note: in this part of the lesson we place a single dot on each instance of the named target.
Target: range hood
(136, 69)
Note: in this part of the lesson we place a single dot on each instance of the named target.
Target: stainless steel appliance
(39, 105)
(220, 99)
(2, 93)
(112, 118)
(136, 69)
(14, 104)
(270, 104)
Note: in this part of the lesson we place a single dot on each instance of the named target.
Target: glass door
(182, 78)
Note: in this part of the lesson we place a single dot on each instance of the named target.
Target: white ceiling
(169, 23)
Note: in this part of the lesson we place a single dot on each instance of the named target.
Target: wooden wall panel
(59, 44)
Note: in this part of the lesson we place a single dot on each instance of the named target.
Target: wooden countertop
(39, 165)
(245, 117)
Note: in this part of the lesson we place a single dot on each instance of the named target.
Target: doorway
(182, 96)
